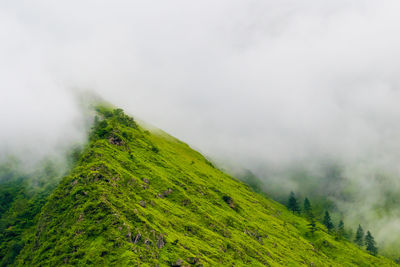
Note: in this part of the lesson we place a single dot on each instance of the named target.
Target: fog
(262, 85)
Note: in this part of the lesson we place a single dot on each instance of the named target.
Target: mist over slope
(360, 193)
(270, 86)
(143, 197)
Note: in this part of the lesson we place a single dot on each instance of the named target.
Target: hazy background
(266, 85)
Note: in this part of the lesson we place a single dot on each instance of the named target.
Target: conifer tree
(312, 226)
(327, 221)
(370, 244)
(359, 239)
(307, 207)
(340, 230)
(293, 205)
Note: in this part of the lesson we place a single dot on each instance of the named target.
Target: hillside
(22, 195)
(137, 196)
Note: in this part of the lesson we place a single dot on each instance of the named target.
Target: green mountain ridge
(141, 197)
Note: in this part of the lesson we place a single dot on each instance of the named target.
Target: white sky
(250, 82)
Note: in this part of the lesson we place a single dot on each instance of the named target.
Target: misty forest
(208, 133)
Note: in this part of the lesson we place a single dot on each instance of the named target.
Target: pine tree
(293, 205)
(340, 230)
(327, 221)
(359, 240)
(312, 226)
(307, 207)
(370, 243)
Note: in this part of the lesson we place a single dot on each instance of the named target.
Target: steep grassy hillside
(140, 197)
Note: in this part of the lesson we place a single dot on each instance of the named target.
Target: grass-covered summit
(140, 197)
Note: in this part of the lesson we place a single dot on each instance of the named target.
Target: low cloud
(262, 84)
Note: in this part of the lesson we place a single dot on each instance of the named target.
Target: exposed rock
(97, 177)
(137, 238)
(145, 186)
(146, 181)
(129, 236)
(165, 193)
(142, 203)
(229, 201)
(115, 140)
(147, 242)
(179, 262)
(169, 191)
(193, 260)
(160, 242)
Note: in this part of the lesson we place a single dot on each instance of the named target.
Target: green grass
(22, 195)
(132, 182)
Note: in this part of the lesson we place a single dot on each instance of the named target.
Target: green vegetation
(340, 233)
(370, 244)
(328, 221)
(312, 225)
(22, 196)
(137, 196)
(359, 239)
(307, 207)
(335, 186)
(293, 205)
(330, 227)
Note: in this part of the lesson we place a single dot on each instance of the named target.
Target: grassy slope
(131, 182)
